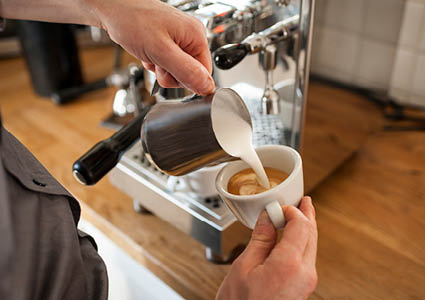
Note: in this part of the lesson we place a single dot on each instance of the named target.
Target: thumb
(262, 241)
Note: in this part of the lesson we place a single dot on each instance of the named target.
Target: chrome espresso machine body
(261, 49)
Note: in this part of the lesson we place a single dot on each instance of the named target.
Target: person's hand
(286, 270)
(169, 42)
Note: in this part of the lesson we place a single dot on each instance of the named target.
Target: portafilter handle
(99, 160)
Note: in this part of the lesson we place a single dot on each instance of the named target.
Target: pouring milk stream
(234, 135)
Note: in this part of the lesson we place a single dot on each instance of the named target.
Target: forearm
(59, 11)
(169, 42)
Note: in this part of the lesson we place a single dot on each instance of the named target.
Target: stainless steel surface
(270, 98)
(166, 93)
(268, 58)
(291, 33)
(123, 103)
(287, 25)
(302, 73)
(155, 88)
(277, 33)
(127, 99)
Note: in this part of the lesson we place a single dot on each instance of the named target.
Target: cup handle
(276, 214)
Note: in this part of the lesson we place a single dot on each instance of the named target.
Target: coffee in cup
(247, 208)
(246, 182)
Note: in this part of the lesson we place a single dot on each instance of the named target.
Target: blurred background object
(51, 52)
(86, 37)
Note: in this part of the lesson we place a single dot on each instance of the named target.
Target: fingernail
(208, 84)
(264, 219)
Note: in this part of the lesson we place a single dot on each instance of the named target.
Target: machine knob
(228, 56)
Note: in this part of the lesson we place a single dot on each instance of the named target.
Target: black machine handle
(68, 94)
(228, 56)
(100, 159)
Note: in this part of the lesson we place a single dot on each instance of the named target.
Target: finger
(307, 208)
(165, 79)
(310, 251)
(186, 69)
(295, 234)
(262, 241)
(198, 46)
(148, 66)
(204, 57)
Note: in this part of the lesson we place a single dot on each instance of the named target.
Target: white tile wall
(375, 63)
(382, 21)
(422, 38)
(372, 43)
(404, 65)
(316, 43)
(412, 24)
(319, 11)
(418, 87)
(355, 41)
(338, 50)
(408, 74)
(344, 14)
(417, 101)
(399, 93)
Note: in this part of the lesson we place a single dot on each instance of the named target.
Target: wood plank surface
(370, 211)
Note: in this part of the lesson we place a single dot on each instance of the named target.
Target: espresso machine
(260, 49)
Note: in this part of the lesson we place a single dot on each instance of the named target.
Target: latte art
(245, 182)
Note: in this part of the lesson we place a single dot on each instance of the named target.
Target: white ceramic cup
(289, 192)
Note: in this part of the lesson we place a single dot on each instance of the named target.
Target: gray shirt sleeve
(42, 254)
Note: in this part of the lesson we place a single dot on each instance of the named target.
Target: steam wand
(228, 56)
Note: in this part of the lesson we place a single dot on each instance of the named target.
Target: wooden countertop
(370, 211)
